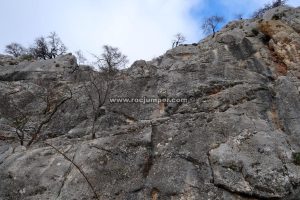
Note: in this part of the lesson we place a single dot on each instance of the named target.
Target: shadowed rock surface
(236, 138)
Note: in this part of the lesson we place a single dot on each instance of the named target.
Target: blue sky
(142, 29)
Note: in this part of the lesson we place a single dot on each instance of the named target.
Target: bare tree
(40, 48)
(43, 47)
(276, 3)
(99, 83)
(80, 60)
(210, 24)
(97, 90)
(80, 57)
(179, 39)
(15, 49)
(111, 60)
(55, 45)
(27, 127)
(49, 47)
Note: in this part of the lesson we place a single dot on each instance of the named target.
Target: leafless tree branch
(210, 24)
(78, 168)
(179, 39)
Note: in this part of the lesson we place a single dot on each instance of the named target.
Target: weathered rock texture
(237, 137)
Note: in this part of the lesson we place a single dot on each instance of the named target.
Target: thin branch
(47, 120)
(106, 93)
(77, 166)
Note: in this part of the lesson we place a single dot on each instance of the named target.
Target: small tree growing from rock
(111, 60)
(55, 45)
(80, 60)
(15, 49)
(40, 48)
(179, 39)
(97, 89)
(210, 24)
(27, 126)
(43, 47)
(99, 83)
(80, 57)
(49, 47)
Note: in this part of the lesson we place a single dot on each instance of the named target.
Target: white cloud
(141, 29)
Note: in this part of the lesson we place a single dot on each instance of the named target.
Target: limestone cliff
(236, 137)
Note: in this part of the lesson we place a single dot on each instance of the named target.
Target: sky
(141, 29)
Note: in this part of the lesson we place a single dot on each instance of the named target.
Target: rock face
(236, 136)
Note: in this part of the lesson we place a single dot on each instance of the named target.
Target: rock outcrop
(236, 136)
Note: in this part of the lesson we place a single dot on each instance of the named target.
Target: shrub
(296, 158)
(15, 49)
(278, 16)
(210, 24)
(27, 57)
(255, 31)
(265, 39)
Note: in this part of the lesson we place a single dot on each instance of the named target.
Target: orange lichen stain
(161, 107)
(281, 67)
(184, 56)
(154, 194)
(275, 118)
(214, 91)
